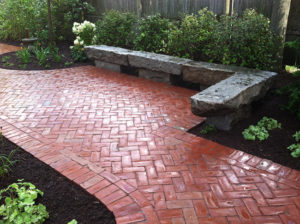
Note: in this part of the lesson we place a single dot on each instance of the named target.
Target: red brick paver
(123, 139)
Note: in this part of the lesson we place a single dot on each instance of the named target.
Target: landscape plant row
(244, 41)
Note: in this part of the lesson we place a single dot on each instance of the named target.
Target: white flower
(81, 42)
(76, 42)
(71, 47)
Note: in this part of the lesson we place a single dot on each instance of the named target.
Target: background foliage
(152, 34)
(116, 29)
(18, 18)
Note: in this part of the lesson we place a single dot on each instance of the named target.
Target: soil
(64, 52)
(275, 147)
(63, 199)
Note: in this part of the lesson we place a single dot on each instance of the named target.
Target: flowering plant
(85, 35)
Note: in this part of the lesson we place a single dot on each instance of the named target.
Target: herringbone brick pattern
(123, 139)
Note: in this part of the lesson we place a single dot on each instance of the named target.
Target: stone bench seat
(228, 90)
(229, 101)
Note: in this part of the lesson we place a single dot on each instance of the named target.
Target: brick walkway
(123, 139)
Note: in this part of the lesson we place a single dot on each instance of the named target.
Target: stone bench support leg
(155, 76)
(227, 121)
(108, 66)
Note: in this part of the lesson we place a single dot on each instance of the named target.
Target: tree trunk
(231, 7)
(279, 22)
(140, 7)
(280, 15)
(227, 7)
(50, 27)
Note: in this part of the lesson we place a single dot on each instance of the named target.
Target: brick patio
(124, 140)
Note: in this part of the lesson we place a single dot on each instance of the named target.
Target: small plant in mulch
(208, 129)
(261, 130)
(295, 148)
(6, 163)
(19, 205)
(6, 62)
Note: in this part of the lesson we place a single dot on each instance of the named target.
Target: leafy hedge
(193, 33)
(247, 41)
(116, 29)
(244, 41)
(152, 34)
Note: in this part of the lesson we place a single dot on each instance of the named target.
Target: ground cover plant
(295, 148)
(6, 163)
(261, 130)
(20, 206)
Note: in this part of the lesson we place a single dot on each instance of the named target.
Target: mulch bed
(63, 199)
(64, 51)
(275, 147)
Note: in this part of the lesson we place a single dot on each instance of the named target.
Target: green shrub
(19, 206)
(18, 17)
(78, 53)
(85, 33)
(116, 29)
(65, 13)
(246, 41)
(293, 92)
(192, 35)
(152, 34)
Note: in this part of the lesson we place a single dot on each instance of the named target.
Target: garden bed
(14, 62)
(275, 147)
(63, 199)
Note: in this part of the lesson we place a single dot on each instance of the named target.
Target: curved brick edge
(127, 203)
(265, 168)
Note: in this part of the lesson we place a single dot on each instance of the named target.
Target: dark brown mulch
(63, 199)
(275, 147)
(64, 51)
